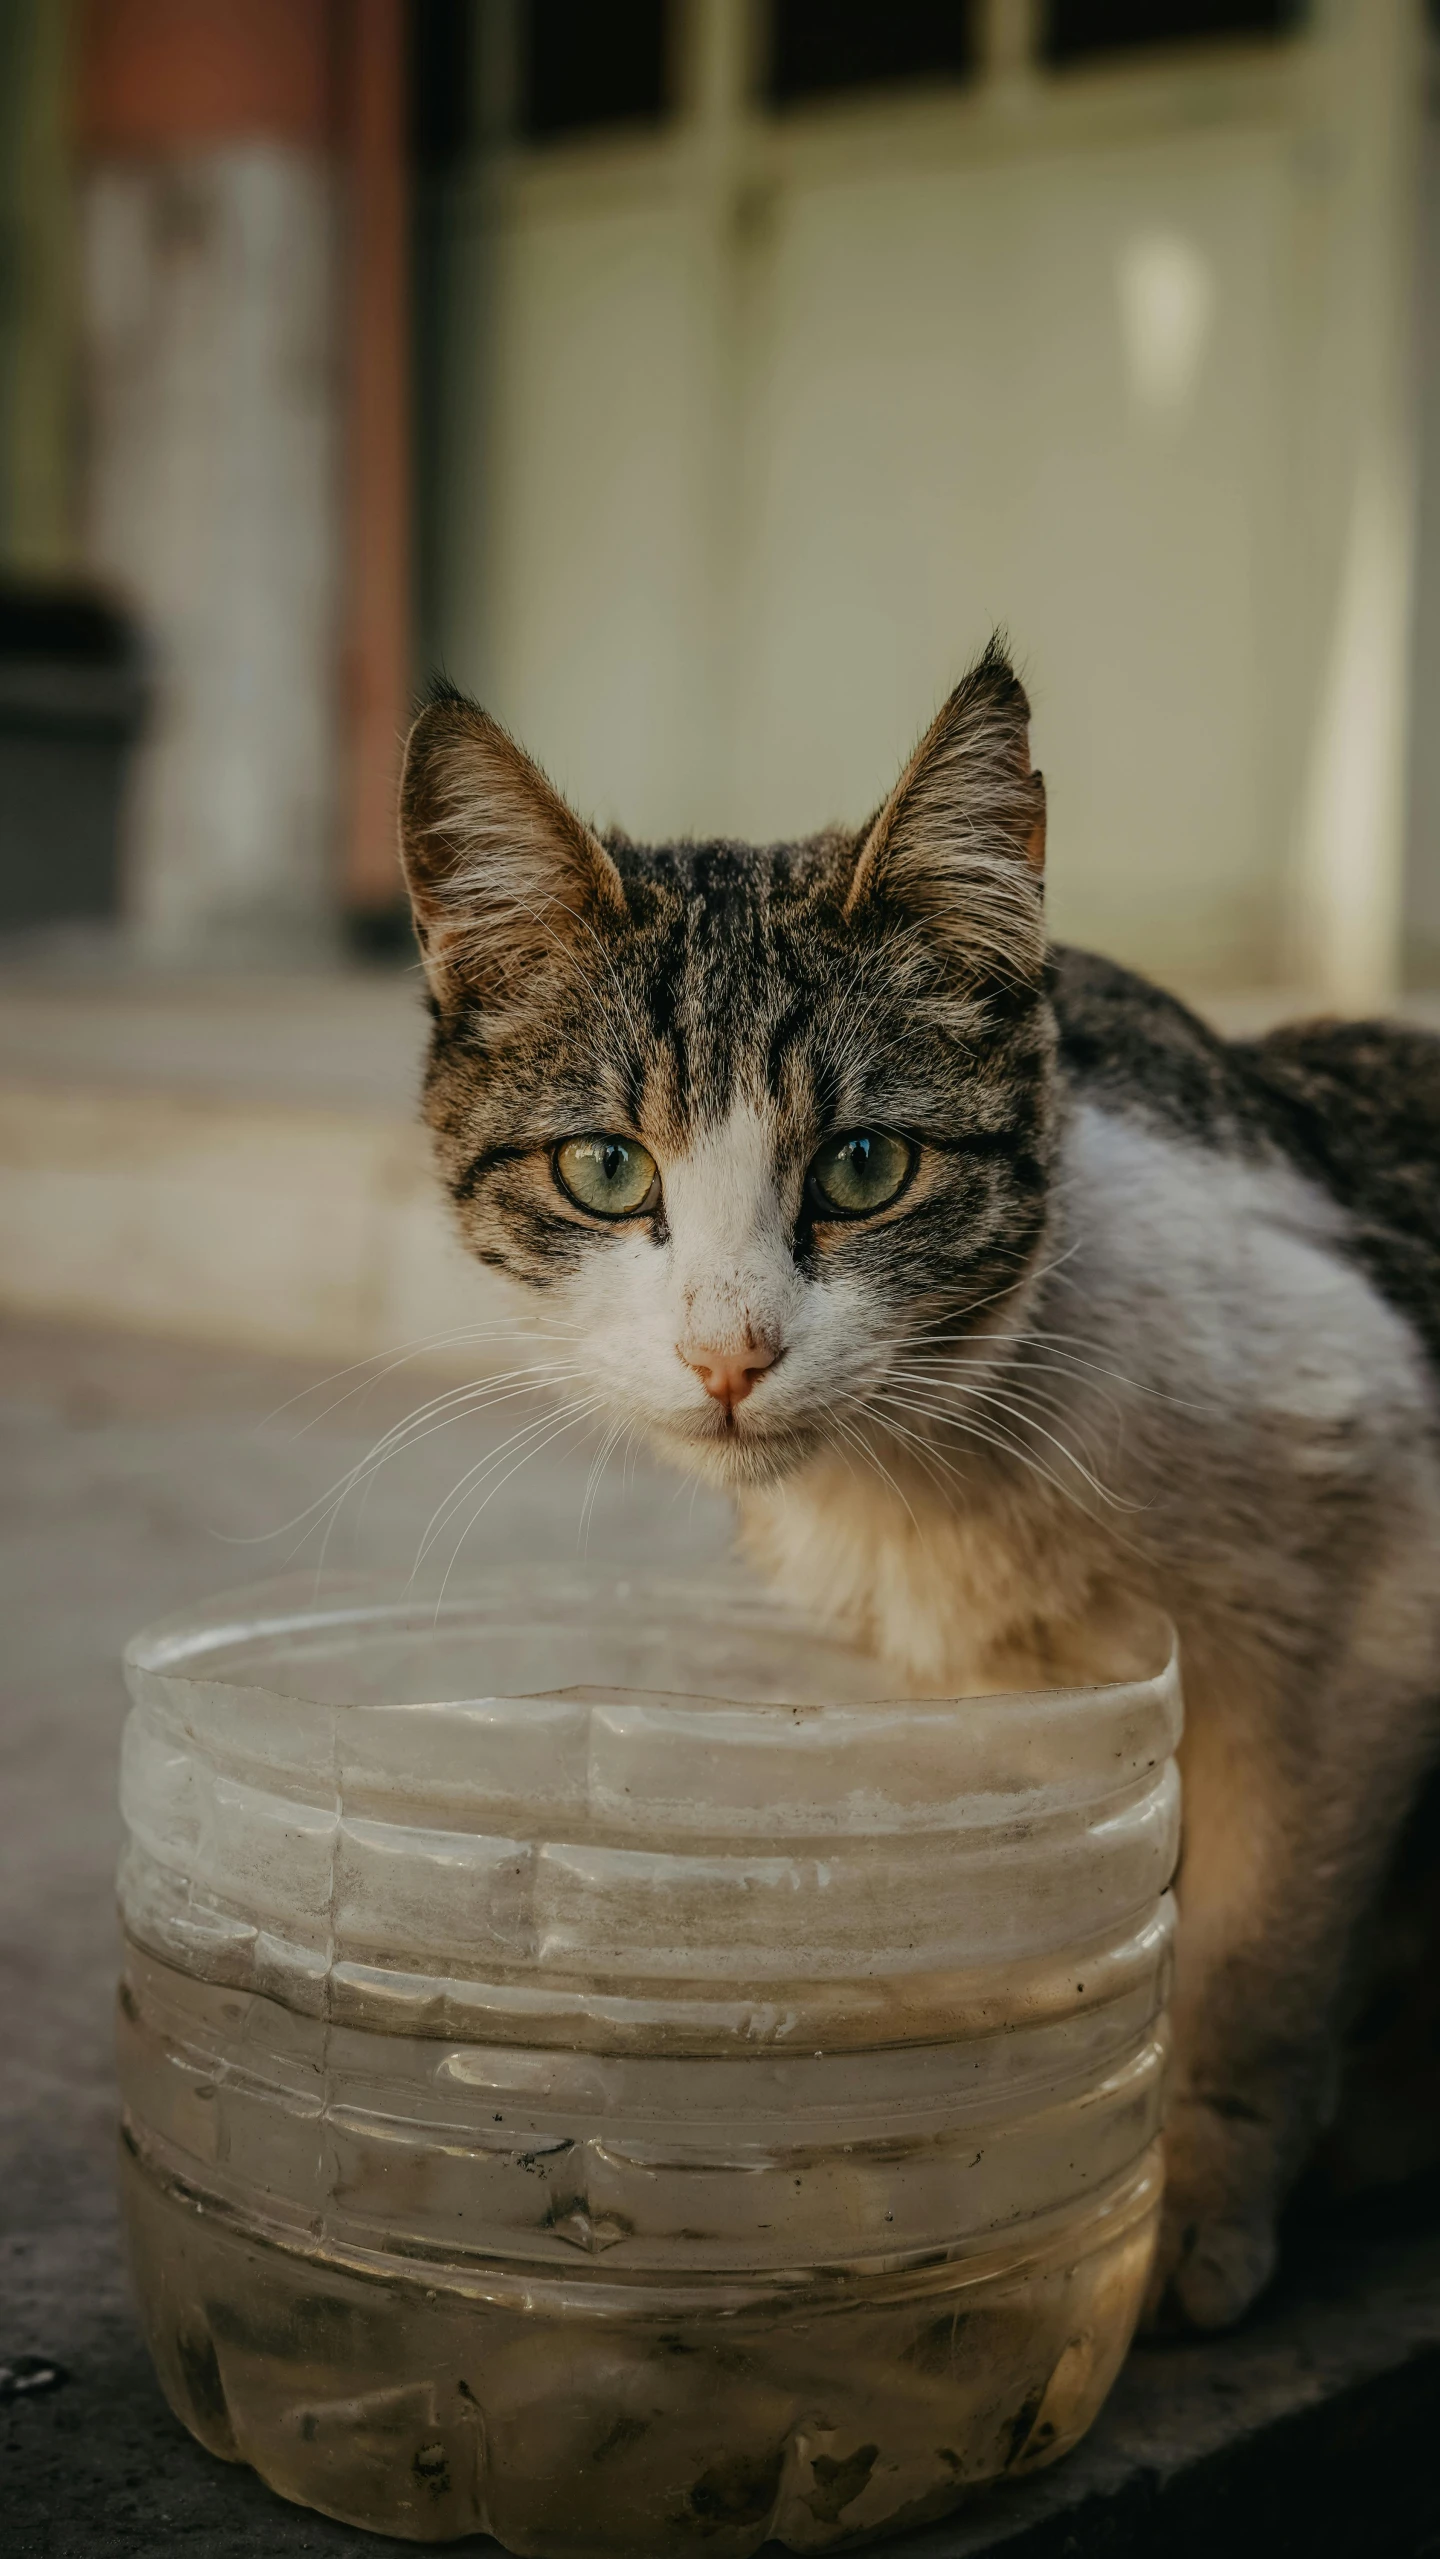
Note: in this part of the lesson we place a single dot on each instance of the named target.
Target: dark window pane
(591, 62)
(819, 46)
(1074, 28)
(441, 70)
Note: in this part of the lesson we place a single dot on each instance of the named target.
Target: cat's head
(760, 1126)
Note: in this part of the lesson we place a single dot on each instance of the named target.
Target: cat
(994, 1286)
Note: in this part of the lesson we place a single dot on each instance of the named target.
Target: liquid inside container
(598, 2069)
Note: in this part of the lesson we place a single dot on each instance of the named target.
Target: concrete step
(235, 1162)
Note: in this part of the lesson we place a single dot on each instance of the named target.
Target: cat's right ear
(958, 849)
(504, 878)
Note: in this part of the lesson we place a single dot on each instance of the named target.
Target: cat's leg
(1290, 1817)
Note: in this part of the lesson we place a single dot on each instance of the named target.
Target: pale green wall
(751, 433)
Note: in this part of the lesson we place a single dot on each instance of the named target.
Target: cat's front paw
(1209, 2269)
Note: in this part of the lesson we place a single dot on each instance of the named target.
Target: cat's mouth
(733, 1445)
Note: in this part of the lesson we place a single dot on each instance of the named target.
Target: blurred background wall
(872, 326)
(760, 355)
(698, 381)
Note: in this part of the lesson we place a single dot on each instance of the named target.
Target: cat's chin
(736, 1460)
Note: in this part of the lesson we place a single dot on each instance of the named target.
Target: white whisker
(456, 1403)
(871, 1457)
(598, 1465)
(383, 1364)
(1007, 1446)
(493, 1457)
(568, 1419)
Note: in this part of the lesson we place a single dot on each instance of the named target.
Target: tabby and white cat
(993, 1284)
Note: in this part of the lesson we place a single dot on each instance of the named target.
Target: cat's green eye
(611, 1176)
(853, 1175)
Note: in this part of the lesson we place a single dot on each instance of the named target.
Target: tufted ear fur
(504, 878)
(959, 846)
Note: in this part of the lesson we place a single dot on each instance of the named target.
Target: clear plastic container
(598, 2070)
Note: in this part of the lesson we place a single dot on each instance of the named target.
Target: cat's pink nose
(729, 1375)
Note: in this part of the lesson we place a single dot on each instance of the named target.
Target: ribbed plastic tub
(597, 2069)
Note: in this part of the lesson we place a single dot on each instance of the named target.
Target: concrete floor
(127, 1469)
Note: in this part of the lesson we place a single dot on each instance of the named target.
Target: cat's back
(1353, 1106)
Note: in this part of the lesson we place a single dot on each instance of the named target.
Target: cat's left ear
(959, 846)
